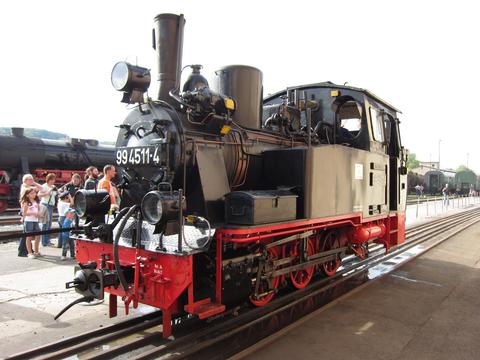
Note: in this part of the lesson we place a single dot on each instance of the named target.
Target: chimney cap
(18, 131)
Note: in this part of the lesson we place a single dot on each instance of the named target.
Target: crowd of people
(37, 204)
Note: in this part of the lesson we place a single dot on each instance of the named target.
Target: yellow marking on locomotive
(229, 104)
(334, 93)
(225, 129)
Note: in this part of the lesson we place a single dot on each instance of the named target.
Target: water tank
(244, 84)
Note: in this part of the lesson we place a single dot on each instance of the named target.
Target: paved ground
(32, 291)
(427, 309)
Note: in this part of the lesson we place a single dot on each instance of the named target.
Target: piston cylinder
(366, 233)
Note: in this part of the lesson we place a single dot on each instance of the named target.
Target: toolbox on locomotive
(260, 207)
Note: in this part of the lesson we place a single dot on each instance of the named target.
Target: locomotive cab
(364, 130)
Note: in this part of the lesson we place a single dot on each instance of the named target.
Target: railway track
(9, 220)
(12, 235)
(13, 224)
(15, 219)
(10, 217)
(11, 211)
(222, 337)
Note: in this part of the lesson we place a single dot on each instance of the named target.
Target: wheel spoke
(265, 286)
(301, 278)
(330, 242)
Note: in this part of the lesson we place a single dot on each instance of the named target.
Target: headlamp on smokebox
(132, 80)
(92, 203)
(162, 209)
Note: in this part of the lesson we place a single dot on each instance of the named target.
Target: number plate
(140, 155)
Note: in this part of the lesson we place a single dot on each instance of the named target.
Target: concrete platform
(427, 309)
(32, 292)
(426, 211)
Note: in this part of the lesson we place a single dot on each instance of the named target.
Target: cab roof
(330, 85)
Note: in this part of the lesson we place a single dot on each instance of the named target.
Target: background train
(414, 179)
(229, 198)
(433, 181)
(466, 181)
(20, 154)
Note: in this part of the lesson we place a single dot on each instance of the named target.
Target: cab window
(349, 120)
(377, 124)
(352, 125)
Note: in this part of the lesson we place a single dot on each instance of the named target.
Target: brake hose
(116, 261)
(77, 301)
(119, 217)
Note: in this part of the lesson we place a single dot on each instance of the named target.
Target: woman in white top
(29, 182)
(31, 212)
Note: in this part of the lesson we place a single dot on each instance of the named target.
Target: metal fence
(440, 204)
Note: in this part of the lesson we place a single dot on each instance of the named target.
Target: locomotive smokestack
(18, 132)
(168, 42)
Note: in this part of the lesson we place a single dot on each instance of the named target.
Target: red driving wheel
(265, 285)
(301, 278)
(330, 242)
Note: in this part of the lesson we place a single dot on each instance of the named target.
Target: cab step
(205, 308)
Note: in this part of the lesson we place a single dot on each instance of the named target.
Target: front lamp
(132, 80)
(91, 202)
(152, 207)
(158, 207)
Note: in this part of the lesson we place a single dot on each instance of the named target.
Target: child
(65, 218)
(64, 203)
(29, 203)
(68, 242)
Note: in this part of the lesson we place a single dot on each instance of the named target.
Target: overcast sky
(422, 57)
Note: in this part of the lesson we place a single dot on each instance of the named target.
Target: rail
(8, 236)
(16, 220)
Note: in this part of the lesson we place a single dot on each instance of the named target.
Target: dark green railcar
(464, 181)
(435, 180)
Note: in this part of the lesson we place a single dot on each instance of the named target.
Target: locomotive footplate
(261, 226)
(193, 239)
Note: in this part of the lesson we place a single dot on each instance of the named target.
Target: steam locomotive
(22, 154)
(228, 198)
